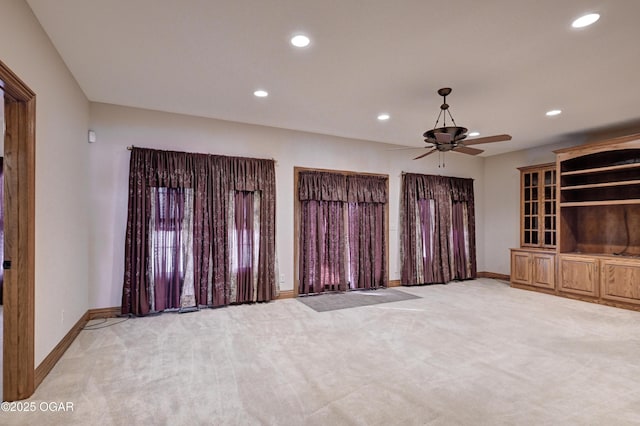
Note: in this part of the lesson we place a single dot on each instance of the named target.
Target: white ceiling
(508, 62)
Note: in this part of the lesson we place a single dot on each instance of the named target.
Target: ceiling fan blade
(487, 139)
(467, 150)
(425, 154)
(404, 148)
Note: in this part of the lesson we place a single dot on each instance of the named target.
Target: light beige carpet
(471, 353)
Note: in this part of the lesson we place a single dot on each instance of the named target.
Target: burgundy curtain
(251, 175)
(459, 244)
(367, 197)
(1, 228)
(244, 248)
(210, 179)
(325, 248)
(433, 239)
(322, 242)
(168, 271)
(322, 232)
(426, 217)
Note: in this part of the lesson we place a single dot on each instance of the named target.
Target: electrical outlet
(281, 278)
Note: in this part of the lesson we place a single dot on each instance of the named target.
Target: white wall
(117, 127)
(62, 115)
(502, 201)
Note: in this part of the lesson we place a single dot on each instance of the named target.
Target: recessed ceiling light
(261, 93)
(585, 20)
(300, 40)
(383, 117)
(472, 134)
(553, 112)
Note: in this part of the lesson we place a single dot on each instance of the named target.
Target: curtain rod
(130, 148)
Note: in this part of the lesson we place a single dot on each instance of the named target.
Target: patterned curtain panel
(367, 196)
(342, 231)
(1, 220)
(322, 186)
(244, 240)
(437, 229)
(171, 249)
(322, 243)
(367, 246)
(196, 188)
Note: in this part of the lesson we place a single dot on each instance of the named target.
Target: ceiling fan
(449, 138)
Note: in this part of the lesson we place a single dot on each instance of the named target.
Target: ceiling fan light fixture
(450, 133)
(472, 134)
(553, 113)
(260, 93)
(383, 117)
(585, 20)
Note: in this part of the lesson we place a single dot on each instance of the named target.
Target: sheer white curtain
(244, 245)
(171, 283)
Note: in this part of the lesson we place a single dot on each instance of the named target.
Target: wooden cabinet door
(578, 275)
(520, 267)
(543, 270)
(620, 280)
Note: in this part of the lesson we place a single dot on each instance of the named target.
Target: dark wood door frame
(19, 234)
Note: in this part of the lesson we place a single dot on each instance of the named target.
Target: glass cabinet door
(530, 201)
(538, 208)
(549, 202)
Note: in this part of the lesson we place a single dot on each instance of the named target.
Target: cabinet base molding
(533, 288)
(619, 305)
(612, 304)
(494, 275)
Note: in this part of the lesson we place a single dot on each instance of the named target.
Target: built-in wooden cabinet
(597, 213)
(599, 221)
(533, 267)
(533, 264)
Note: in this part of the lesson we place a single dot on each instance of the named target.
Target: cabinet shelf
(599, 203)
(600, 185)
(604, 255)
(601, 169)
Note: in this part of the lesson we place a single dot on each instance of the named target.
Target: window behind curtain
(437, 229)
(244, 244)
(322, 242)
(460, 240)
(342, 240)
(170, 248)
(201, 184)
(366, 245)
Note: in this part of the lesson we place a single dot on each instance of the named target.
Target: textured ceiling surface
(507, 61)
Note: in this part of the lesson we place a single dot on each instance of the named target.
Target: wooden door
(620, 280)
(543, 270)
(520, 267)
(578, 275)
